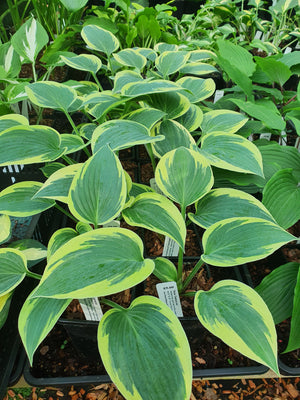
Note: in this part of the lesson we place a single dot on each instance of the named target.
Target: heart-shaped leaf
(100, 39)
(98, 190)
(184, 176)
(147, 333)
(115, 263)
(236, 314)
(13, 268)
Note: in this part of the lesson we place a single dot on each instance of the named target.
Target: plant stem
(112, 304)
(196, 268)
(97, 81)
(34, 72)
(65, 212)
(180, 258)
(151, 155)
(33, 275)
(72, 123)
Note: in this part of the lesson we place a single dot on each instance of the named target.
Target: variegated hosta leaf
(120, 134)
(146, 116)
(197, 69)
(294, 339)
(234, 241)
(82, 227)
(170, 62)
(277, 290)
(71, 143)
(5, 228)
(98, 191)
(225, 203)
(197, 55)
(198, 89)
(122, 78)
(36, 319)
(148, 53)
(99, 104)
(10, 62)
(147, 333)
(165, 270)
(192, 119)
(232, 152)
(52, 95)
(138, 188)
(4, 307)
(235, 313)
(73, 5)
(156, 213)
(29, 144)
(97, 263)
(173, 104)
(12, 269)
(100, 39)
(175, 134)
(130, 58)
(83, 62)
(33, 250)
(281, 196)
(29, 39)
(86, 131)
(145, 87)
(184, 176)
(10, 120)
(58, 185)
(161, 47)
(225, 121)
(59, 238)
(17, 200)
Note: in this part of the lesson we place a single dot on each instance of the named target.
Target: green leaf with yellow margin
(225, 121)
(232, 152)
(83, 62)
(235, 313)
(147, 333)
(5, 228)
(4, 307)
(17, 200)
(165, 270)
(57, 186)
(100, 39)
(131, 58)
(192, 119)
(173, 104)
(13, 268)
(235, 241)
(169, 62)
(54, 95)
(156, 213)
(71, 143)
(10, 120)
(36, 319)
(33, 250)
(226, 203)
(146, 87)
(175, 135)
(59, 238)
(197, 89)
(120, 134)
(29, 144)
(97, 263)
(98, 190)
(184, 176)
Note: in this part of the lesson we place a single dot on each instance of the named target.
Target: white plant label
(266, 136)
(154, 186)
(112, 224)
(258, 35)
(288, 50)
(168, 293)
(283, 138)
(297, 144)
(91, 308)
(251, 137)
(171, 248)
(218, 95)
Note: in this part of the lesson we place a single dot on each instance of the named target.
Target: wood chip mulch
(243, 389)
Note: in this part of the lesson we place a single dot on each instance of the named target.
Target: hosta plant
(86, 259)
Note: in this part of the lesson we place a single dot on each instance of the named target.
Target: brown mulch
(242, 389)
